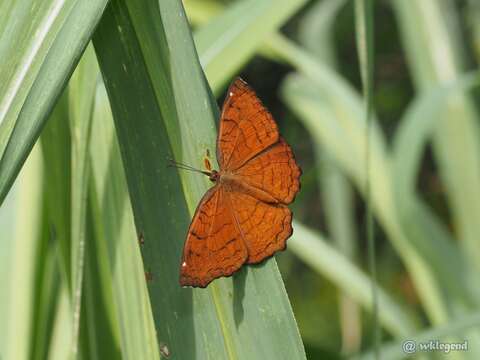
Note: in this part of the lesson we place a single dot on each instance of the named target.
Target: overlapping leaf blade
(43, 70)
(229, 319)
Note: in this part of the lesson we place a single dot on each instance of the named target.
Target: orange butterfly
(243, 218)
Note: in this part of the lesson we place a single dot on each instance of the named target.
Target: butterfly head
(214, 176)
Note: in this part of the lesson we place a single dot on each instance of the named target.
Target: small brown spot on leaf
(141, 239)
(148, 276)
(164, 350)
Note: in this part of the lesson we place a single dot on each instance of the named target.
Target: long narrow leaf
(365, 49)
(191, 323)
(115, 230)
(430, 33)
(56, 143)
(24, 252)
(81, 100)
(315, 251)
(232, 38)
(316, 29)
(19, 135)
(53, 258)
(415, 130)
(34, 32)
(338, 128)
(316, 32)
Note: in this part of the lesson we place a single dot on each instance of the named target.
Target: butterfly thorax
(233, 182)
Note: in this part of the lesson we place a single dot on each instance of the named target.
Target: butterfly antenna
(179, 165)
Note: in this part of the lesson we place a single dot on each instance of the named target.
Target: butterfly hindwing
(264, 227)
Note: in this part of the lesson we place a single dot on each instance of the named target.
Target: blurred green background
(95, 96)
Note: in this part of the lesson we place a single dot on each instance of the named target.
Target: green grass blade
(45, 290)
(365, 49)
(418, 126)
(60, 342)
(53, 257)
(34, 32)
(37, 83)
(430, 32)
(160, 226)
(55, 141)
(415, 130)
(115, 230)
(202, 11)
(232, 38)
(53, 268)
(456, 144)
(335, 124)
(7, 221)
(310, 246)
(45, 265)
(24, 253)
(81, 93)
(315, 31)
(233, 318)
(473, 19)
(99, 333)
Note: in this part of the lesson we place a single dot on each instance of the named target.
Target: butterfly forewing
(246, 127)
